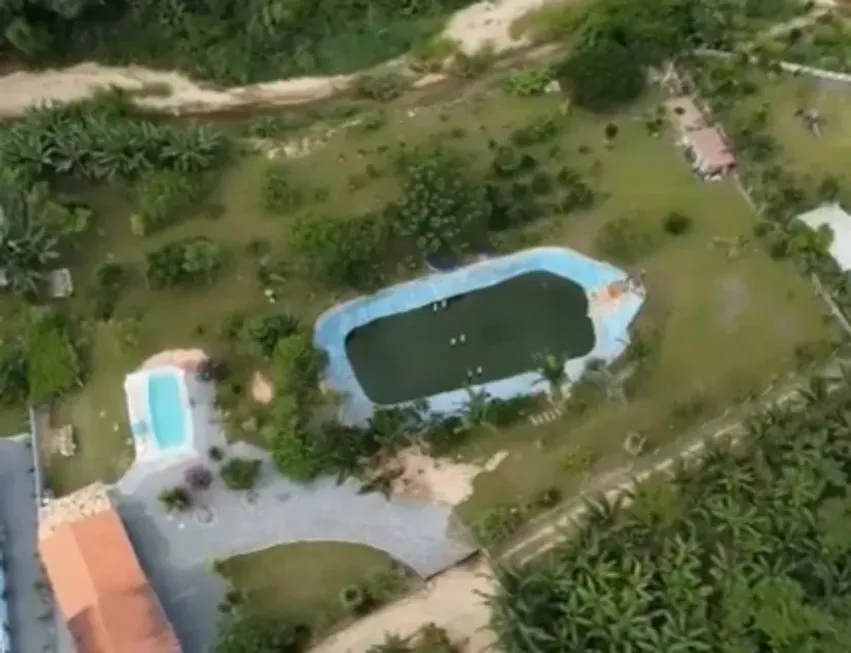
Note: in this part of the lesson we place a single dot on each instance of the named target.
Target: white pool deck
(136, 390)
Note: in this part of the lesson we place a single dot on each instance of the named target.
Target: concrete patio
(176, 550)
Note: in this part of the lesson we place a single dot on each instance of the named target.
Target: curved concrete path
(176, 551)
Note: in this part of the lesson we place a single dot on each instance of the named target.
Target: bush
(624, 241)
(176, 499)
(355, 599)
(339, 250)
(525, 83)
(159, 198)
(216, 454)
(198, 477)
(537, 131)
(602, 75)
(14, 383)
(241, 473)
(677, 224)
(441, 207)
(183, 262)
(53, 356)
(110, 281)
(382, 86)
(280, 194)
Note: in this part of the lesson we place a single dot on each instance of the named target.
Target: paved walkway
(33, 621)
(176, 551)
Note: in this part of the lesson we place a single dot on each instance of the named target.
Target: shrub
(382, 86)
(216, 454)
(182, 262)
(159, 196)
(53, 356)
(602, 75)
(14, 383)
(677, 224)
(176, 499)
(110, 281)
(525, 83)
(441, 207)
(624, 241)
(198, 477)
(280, 193)
(355, 599)
(537, 131)
(339, 250)
(241, 473)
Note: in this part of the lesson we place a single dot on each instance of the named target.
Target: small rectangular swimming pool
(474, 338)
(166, 410)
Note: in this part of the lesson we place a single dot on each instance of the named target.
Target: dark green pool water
(409, 355)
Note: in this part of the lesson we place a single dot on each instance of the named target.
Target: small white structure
(839, 222)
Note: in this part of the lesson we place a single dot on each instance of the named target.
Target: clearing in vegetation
(481, 336)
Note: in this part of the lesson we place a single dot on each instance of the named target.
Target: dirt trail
(452, 601)
(473, 27)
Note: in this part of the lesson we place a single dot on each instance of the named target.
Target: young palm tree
(551, 369)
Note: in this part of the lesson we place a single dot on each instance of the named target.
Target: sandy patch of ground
(451, 601)
(262, 390)
(186, 359)
(472, 28)
(488, 24)
(418, 475)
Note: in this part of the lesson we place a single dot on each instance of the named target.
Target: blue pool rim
(611, 330)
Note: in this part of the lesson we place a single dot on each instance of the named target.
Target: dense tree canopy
(227, 41)
(747, 552)
(441, 207)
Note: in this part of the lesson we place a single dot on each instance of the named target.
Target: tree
(602, 76)
(392, 644)
(183, 262)
(241, 473)
(551, 368)
(14, 381)
(737, 531)
(441, 208)
(176, 499)
(198, 477)
(53, 357)
(159, 198)
(339, 251)
(260, 634)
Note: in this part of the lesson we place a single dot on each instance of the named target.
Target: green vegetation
(744, 550)
(227, 42)
(309, 583)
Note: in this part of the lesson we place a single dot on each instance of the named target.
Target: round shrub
(355, 599)
(677, 224)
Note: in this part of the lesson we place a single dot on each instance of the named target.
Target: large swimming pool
(482, 325)
(166, 410)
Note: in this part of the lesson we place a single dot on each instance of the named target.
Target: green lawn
(728, 325)
(303, 581)
(805, 153)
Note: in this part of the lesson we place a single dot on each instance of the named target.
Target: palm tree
(551, 368)
(27, 251)
(478, 407)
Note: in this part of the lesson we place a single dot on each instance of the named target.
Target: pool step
(546, 417)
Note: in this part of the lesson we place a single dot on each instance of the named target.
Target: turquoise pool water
(166, 410)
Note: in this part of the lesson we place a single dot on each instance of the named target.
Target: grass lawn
(805, 153)
(303, 581)
(729, 325)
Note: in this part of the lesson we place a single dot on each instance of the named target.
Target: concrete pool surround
(614, 300)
